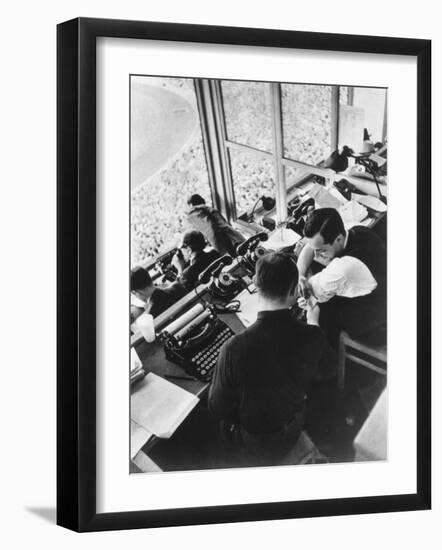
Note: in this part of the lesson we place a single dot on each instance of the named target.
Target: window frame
(279, 160)
(217, 147)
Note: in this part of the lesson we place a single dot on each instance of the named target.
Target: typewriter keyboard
(204, 360)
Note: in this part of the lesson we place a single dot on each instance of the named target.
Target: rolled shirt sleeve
(346, 276)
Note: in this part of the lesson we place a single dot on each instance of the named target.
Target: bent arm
(305, 260)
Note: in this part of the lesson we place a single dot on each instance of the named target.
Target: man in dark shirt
(157, 299)
(264, 374)
(191, 259)
(327, 239)
(219, 234)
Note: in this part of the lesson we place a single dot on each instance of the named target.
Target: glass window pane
(294, 175)
(306, 121)
(247, 109)
(359, 109)
(167, 163)
(252, 176)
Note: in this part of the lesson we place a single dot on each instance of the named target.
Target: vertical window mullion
(230, 206)
(350, 96)
(385, 120)
(334, 142)
(280, 189)
(207, 130)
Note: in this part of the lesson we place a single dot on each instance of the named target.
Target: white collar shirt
(346, 276)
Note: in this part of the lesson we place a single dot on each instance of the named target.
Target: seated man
(327, 239)
(218, 233)
(157, 299)
(191, 259)
(264, 374)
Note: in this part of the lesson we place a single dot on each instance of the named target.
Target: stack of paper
(159, 406)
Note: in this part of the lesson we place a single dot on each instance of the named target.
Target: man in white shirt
(345, 276)
(362, 315)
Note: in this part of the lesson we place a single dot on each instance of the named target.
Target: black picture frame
(76, 273)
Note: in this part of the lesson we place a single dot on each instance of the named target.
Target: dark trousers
(360, 317)
(264, 449)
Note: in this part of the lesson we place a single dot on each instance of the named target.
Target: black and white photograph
(219, 293)
(258, 273)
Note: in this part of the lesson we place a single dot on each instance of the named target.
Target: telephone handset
(296, 221)
(249, 252)
(163, 269)
(222, 284)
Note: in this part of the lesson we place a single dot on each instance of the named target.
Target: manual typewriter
(194, 340)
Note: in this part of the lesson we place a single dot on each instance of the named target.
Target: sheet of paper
(352, 213)
(281, 238)
(325, 199)
(372, 202)
(159, 406)
(139, 436)
(134, 301)
(248, 311)
(135, 361)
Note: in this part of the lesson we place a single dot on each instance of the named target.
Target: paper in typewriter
(160, 406)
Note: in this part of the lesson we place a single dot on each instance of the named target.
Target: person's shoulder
(239, 342)
(364, 231)
(344, 265)
(211, 255)
(199, 211)
(176, 289)
(360, 235)
(336, 266)
(236, 341)
(229, 353)
(158, 293)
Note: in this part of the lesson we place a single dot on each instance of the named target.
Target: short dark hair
(195, 200)
(325, 221)
(139, 279)
(276, 274)
(194, 240)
